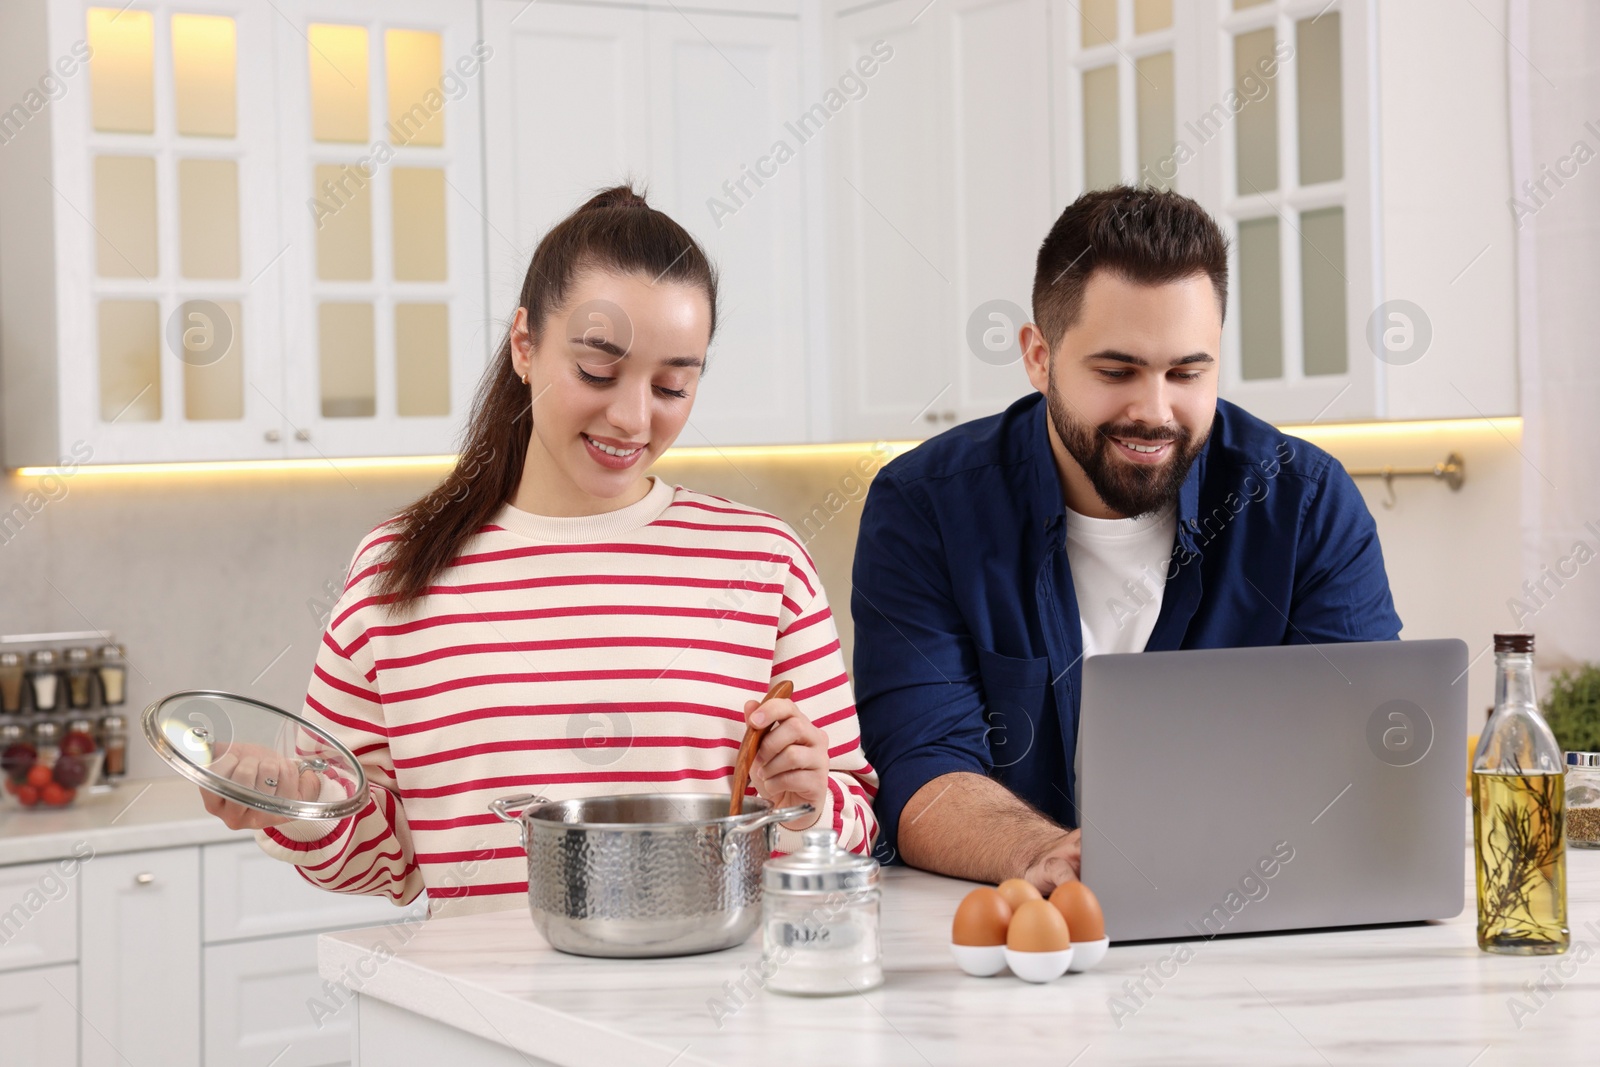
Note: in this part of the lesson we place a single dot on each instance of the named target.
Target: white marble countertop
(135, 815)
(1406, 994)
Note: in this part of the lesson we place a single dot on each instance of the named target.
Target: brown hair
(1145, 235)
(615, 230)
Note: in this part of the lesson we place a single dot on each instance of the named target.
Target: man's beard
(1128, 489)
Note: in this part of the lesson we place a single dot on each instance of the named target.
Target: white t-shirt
(1119, 572)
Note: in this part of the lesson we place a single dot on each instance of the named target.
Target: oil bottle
(1518, 812)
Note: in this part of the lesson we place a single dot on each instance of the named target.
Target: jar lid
(42, 657)
(261, 756)
(77, 655)
(116, 722)
(111, 654)
(45, 730)
(1583, 759)
(10, 659)
(820, 866)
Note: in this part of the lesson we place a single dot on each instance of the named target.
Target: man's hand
(1057, 864)
(968, 825)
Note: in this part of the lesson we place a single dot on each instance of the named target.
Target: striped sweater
(566, 657)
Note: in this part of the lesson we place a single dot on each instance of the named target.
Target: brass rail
(1453, 472)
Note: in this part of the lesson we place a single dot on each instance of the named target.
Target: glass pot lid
(261, 756)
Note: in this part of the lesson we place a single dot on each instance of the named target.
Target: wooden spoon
(747, 749)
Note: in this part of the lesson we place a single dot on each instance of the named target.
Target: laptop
(1244, 790)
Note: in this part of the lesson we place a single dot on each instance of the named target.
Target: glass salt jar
(819, 929)
(1583, 799)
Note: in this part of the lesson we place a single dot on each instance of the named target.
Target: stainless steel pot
(654, 874)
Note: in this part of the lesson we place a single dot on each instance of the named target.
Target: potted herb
(1572, 708)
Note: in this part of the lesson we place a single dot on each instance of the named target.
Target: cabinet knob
(143, 878)
(271, 435)
(302, 435)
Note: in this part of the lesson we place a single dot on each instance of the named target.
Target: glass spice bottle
(47, 741)
(12, 673)
(44, 684)
(1583, 799)
(1518, 810)
(80, 678)
(114, 739)
(113, 676)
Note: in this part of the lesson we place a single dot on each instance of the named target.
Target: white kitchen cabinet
(38, 915)
(248, 894)
(692, 109)
(178, 281)
(126, 219)
(382, 223)
(942, 194)
(39, 1017)
(140, 959)
(265, 1004)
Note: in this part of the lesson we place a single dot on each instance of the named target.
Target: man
(1121, 508)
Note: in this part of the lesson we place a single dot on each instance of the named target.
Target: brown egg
(981, 919)
(1078, 906)
(1037, 927)
(1018, 890)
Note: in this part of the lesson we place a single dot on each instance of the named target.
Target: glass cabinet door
(165, 182)
(383, 216)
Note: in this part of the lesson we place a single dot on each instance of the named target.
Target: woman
(551, 619)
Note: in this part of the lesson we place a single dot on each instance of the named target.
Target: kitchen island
(487, 990)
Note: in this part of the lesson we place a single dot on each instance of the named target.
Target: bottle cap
(1517, 643)
(42, 657)
(1583, 759)
(77, 655)
(10, 659)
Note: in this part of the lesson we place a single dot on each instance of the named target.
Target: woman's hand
(255, 767)
(791, 766)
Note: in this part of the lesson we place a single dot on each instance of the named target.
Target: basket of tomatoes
(55, 777)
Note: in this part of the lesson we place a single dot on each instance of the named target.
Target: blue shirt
(968, 645)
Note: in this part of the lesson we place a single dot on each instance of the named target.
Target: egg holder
(984, 961)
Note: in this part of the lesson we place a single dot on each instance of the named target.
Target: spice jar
(820, 920)
(1583, 799)
(11, 675)
(47, 740)
(114, 739)
(113, 675)
(80, 678)
(44, 684)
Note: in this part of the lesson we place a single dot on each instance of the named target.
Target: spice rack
(53, 683)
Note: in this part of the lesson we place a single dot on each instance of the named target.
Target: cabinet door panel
(895, 264)
(140, 957)
(39, 1018)
(250, 894)
(566, 114)
(265, 1004)
(1002, 206)
(204, 382)
(382, 353)
(728, 166)
(39, 914)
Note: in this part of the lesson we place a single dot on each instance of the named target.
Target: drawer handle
(143, 878)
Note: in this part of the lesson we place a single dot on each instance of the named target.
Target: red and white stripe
(567, 658)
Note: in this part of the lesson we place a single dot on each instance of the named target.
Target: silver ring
(272, 783)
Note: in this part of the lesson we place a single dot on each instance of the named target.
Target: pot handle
(521, 801)
(756, 820)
